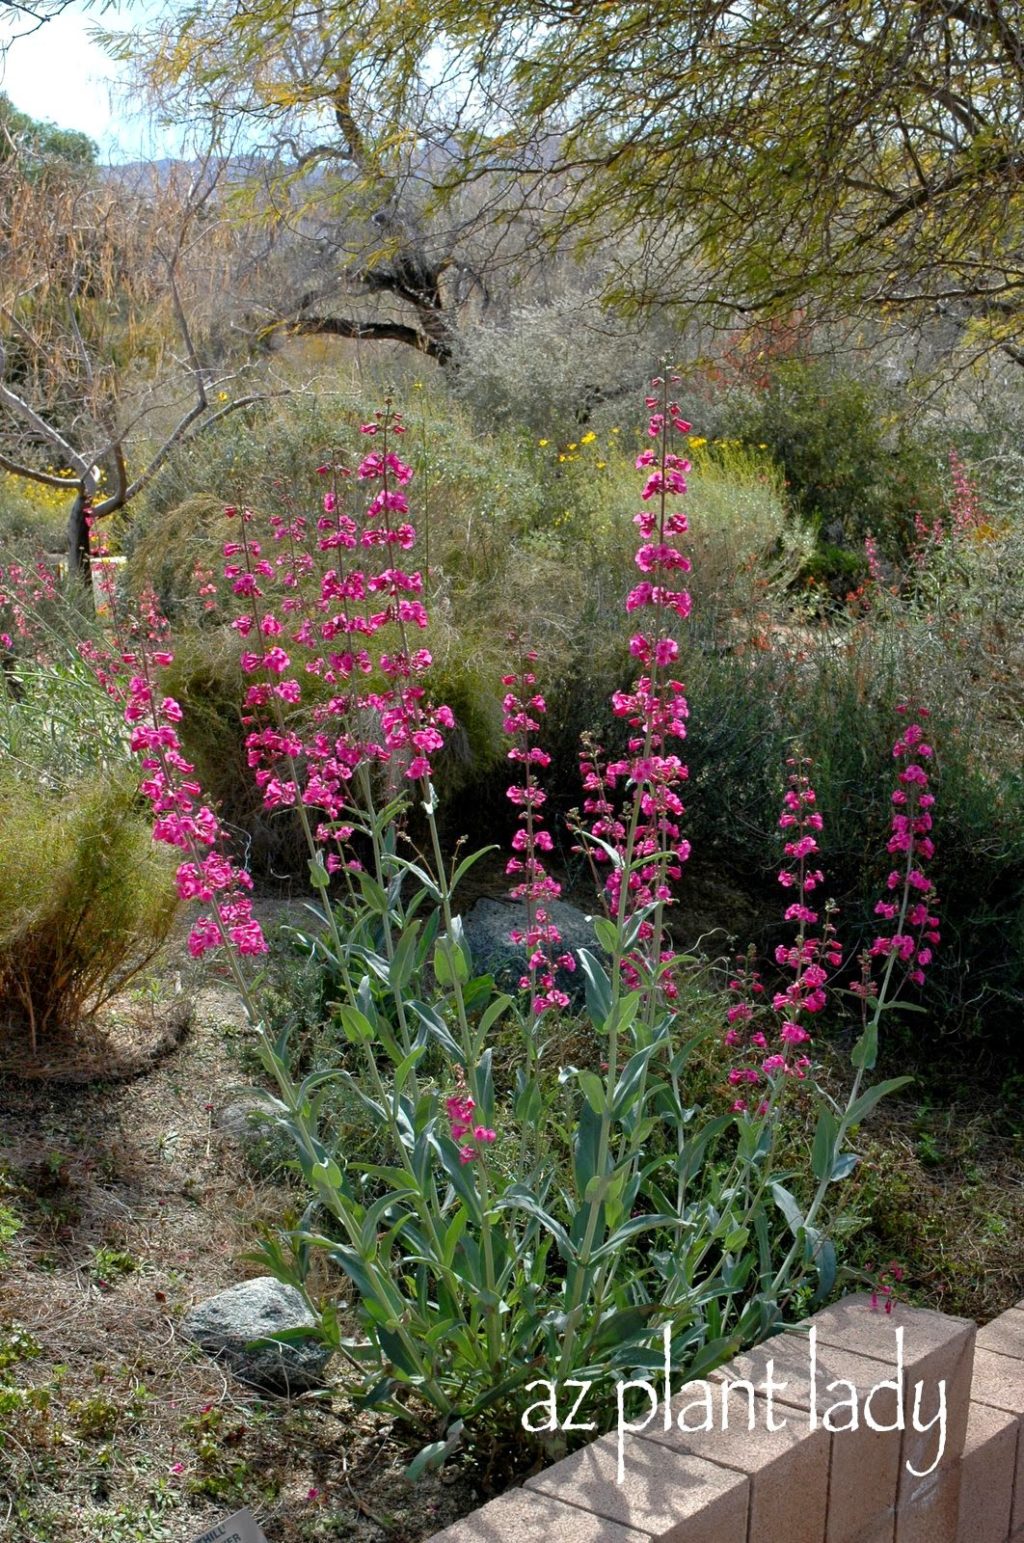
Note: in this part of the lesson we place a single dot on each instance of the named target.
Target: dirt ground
(122, 1203)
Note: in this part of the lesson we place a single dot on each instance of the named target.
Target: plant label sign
(240, 1528)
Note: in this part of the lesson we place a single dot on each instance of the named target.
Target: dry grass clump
(88, 900)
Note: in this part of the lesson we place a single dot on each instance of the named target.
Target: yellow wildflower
(588, 439)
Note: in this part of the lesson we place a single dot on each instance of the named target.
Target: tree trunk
(78, 537)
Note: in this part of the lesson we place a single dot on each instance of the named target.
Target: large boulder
(225, 1325)
(487, 928)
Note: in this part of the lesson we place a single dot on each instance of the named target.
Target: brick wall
(860, 1426)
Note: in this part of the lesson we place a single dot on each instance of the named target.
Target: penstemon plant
(526, 1221)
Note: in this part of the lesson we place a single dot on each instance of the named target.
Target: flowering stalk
(179, 818)
(964, 514)
(645, 849)
(325, 619)
(906, 953)
(965, 504)
(806, 957)
(534, 886)
(468, 1135)
(334, 622)
(915, 928)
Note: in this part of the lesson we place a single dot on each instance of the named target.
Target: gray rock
(226, 1324)
(487, 928)
(235, 1122)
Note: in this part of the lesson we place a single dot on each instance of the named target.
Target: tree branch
(376, 331)
(179, 436)
(21, 409)
(48, 479)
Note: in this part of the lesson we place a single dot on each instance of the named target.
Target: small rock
(487, 928)
(227, 1323)
(234, 1120)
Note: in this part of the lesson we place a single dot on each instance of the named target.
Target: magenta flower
(468, 1135)
(807, 957)
(915, 925)
(654, 709)
(334, 619)
(523, 707)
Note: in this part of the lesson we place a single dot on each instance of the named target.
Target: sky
(57, 73)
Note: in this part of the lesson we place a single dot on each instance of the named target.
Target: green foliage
(10, 1226)
(851, 469)
(57, 724)
(603, 1213)
(33, 518)
(172, 548)
(25, 1413)
(89, 900)
(34, 143)
(110, 1264)
(220, 1471)
(266, 454)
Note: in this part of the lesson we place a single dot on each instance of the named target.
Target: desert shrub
(57, 724)
(88, 899)
(32, 517)
(549, 369)
(267, 451)
(173, 551)
(852, 465)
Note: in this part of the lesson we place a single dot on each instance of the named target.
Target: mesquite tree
(850, 155)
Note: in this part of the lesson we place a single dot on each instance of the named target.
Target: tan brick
(669, 1496)
(931, 1511)
(987, 1472)
(1004, 1335)
(999, 1384)
(864, 1463)
(936, 1350)
(881, 1530)
(787, 1468)
(522, 1516)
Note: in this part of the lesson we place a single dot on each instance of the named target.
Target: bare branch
(378, 331)
(33, 474)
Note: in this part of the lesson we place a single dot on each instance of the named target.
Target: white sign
(240, 1528)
